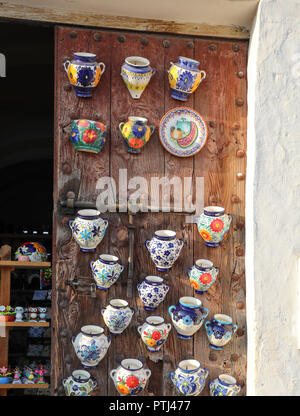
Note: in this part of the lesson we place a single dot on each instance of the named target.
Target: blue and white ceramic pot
(189, 378)
(90, 345)
(224, 385)
(117, 315)
(164, 249)
(213, 225)
(152, 291)
(188, 316)
(202, 275)
(136, 73)
(220, 331)
(130, 378)
(80, 383)
(154, 332)
(106, 271)
(88, 229)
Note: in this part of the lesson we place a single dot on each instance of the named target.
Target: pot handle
(72, 339)
(206, 324)
(102, 66)
(235, 327)
(206, 312)
(66, 67)
(181, 242)
(171, 64)
(95, 383)
(153, 72)
(132, 310)
(203, 76)
(238, 388)
(217, 269)
(138, 285)
(91, 263)
(70, 222)
(112, 374)
(168, 287)
(171, 376)
(121, 126)
(188, 270)
(210, 383)
(139, 329)
(147, 243)
(64, 382)
(152, 128)
(169, 327)
(108, 340)
(205, 371)
(102, 311)
(148, 373)
(171, 308)
(105, 222)
(231, 216)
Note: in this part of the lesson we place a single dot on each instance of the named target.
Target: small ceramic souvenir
(117, 315)
(189, 378)
(88, 135)
(88, 229)
(185, 77)
(136, 73)
(42, 314)
(17, 376)
(5, 374)
(202, 275)
(84, 73)
(213, 225)
(90, 345)
(80, 383)
(152, 291)
(19, 313)
(136, 133)
(220, 331)
(40, 372)
(164, 249)
(154, 332)
(182, 132)
(106, 271)
(188, 316)
(130, 377)
(33, 313)
(34, 251)
(224, 385)
(28, 374)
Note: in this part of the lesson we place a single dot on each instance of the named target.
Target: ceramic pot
(117, 315)
(80, 383)
(154, 332)
(164, 249)
(136, 73)
(224, 385)
(5, 380)
(84, 73)
(213, 225)
(189, 378)
(88, 135)
(220, 331)
(130, 377)
(202, 275)
(185, 77)
(106, 271)
(88, 229)
(136, 133)
(152, 291)
(90, 345)
(188, 316)
(34, 251)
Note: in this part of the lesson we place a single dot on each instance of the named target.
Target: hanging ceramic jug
(152, 291)
(202, 275)
(106, 271)
(154, 332)
(88, 135)
(188, 316)
(90, 345)
(136, 73)
(224, 385)
(189, 378)
(117, 315)
(213, 225)
(130, 377)
(84, 73)
(80, 383)
(88, 229)
(164, 249)
(220, 331)
(136, 133)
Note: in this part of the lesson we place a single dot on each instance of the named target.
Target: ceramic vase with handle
(152, 291)
(136, 73)
(154, 332)
(202, 275)
(80, 383)
(130, 377)
(136, 133)
(213, 225)
(220, 331)
(224, 385)
(106, 271)
(117, 315)
(189, 378)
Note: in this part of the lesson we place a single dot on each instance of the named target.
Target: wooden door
(221, 100)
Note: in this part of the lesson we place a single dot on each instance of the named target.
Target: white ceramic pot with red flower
(136, 133)
(130, 378)
(213, 225)
(88, 135)
(202, 275)
(154, 332)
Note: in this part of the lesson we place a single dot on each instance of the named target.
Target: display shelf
(24, 324)
(24, 386)
(25, 264)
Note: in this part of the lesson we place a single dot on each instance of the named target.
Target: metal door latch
(83, 286)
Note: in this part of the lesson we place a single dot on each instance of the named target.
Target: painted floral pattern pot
(154, 332)
(33, 251)
(88, 135)
(164, 249)
(152, 291)
(189, 378)
(202, 275)
(117, 315)
(130, 377)
(224, 385)
(220, 331)
(84, 73)
(185, 77)
(136, 73)
(188, 316)
(80, 383)
(90, 345)
(88, 229)
(106, 271)
(136, 133)
(213, 225)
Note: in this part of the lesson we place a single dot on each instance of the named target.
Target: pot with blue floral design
(185, 77)
(80, 383)
(136, 133)
(88, 229)
(106, 271)
(164, 249)
(220, 331)
(88, 135)
(188, 316)
(224, 385)
(213, 225)
(202, 275)
(84, 73)
(154, 332)
(136, 73)
(189, 378)
(117, 315)
(152, 291)
(130, 378)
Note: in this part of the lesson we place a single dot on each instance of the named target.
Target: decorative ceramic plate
(182, 132)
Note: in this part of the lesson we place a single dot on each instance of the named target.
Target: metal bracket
(83, 286)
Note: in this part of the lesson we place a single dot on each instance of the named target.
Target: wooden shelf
(24, 386)
(23, 324)
(25, 264)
